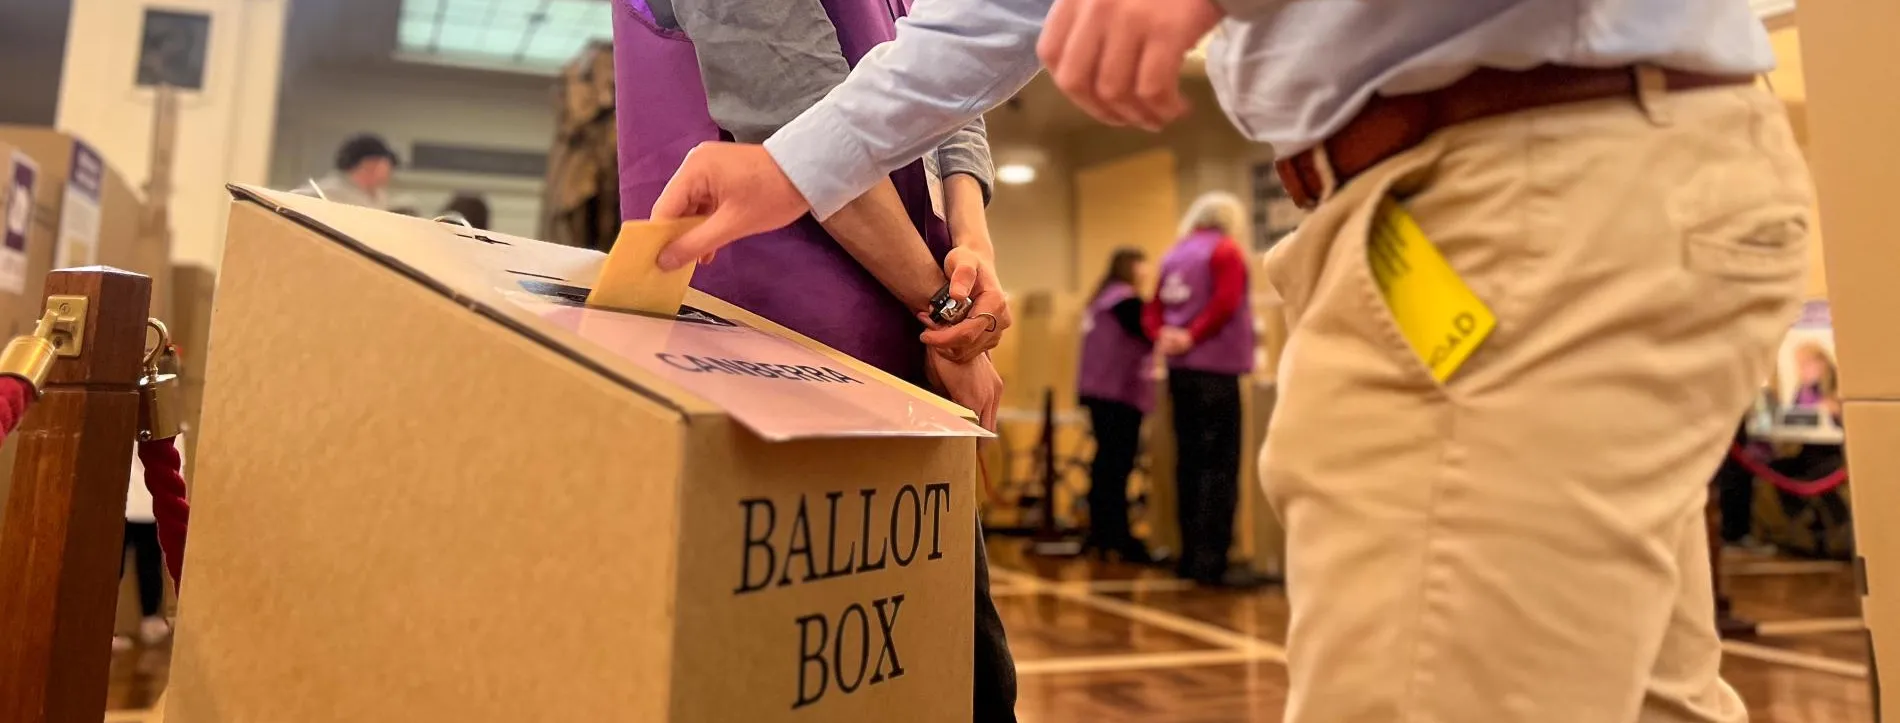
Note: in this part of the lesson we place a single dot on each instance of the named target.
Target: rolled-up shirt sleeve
(952, 61)
(968, 152)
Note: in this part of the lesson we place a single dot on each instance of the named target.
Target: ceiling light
(1015, 174)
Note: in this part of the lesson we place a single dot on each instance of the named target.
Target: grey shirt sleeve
(968, 152)
(952, 61)
(763, 63)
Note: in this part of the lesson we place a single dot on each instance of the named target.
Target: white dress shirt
(138, 499)
(1288, 72)
(339, 188)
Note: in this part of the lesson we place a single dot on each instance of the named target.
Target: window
(1274, 213)
(532, 35)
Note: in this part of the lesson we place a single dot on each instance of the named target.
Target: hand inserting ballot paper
(632, 279)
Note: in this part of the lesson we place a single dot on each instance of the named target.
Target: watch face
(947, 309)
(950, 310)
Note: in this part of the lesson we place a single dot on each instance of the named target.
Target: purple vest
(1187, 283)
(796, 276)
(1115, 363)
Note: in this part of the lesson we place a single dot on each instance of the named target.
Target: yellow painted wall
(1033, 225)
(1787, 76)
(1130, 201)
(1789, 83)
(224, 130)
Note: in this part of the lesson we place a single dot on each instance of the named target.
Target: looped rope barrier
(165, 479)
(1790, 485)
(15, 396)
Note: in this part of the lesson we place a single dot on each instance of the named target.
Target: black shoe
(1097, 549)
(1129, 550)
(1133, 552)
(1236, 579)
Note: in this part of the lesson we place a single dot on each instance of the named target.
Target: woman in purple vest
(1201, 322)
(689, 71)
(1116, 384)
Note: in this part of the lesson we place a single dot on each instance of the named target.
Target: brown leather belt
(1389, 125)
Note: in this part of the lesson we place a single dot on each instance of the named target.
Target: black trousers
(995, 679)
(148, 561)
(1736, 486)
(1824, 516)
(1117, 428)
(1207, 468)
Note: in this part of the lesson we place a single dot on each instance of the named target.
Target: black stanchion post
(1050, 540)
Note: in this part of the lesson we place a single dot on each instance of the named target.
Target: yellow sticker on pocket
(1436, 311)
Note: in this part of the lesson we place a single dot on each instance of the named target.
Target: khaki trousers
(1524, 543)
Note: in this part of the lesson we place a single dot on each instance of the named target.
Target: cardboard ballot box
(431, 485)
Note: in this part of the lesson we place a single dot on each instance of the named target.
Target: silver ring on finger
(993, 321)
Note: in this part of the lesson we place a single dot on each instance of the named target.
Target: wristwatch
(947, 310)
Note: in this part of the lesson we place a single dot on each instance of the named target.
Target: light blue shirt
(1288, 72)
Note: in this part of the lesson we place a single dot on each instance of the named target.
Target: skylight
(531, 35)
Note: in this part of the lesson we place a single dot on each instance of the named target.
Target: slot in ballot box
(432, 485)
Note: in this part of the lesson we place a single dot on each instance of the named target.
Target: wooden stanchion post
(65, 518)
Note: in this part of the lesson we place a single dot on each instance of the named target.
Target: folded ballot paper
(631, 280)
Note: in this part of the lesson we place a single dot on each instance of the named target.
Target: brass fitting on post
(159, 394)
(30, 358)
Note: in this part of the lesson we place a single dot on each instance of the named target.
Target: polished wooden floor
(1100, 643)
(1105, 643)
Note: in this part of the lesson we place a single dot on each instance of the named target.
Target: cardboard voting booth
(62, 204)
(432, 485)
(1848, 49)
(86, 213)
(190, 322)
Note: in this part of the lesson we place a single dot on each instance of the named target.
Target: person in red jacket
(1202, 325)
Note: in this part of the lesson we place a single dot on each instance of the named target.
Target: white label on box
(79, 210)
(18, 223)
(775, 387)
